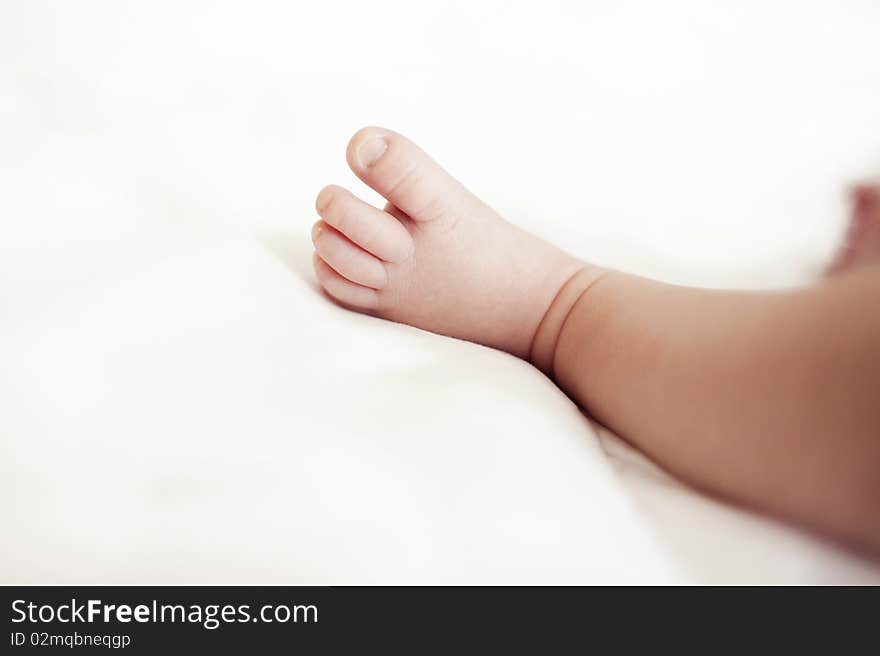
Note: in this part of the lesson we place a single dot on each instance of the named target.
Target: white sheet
(180, 404)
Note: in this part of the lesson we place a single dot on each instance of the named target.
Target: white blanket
(178, 403)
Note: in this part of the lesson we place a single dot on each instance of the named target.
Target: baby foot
(861, 245)
(437, 257)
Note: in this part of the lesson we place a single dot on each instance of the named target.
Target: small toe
(347, 258)
(343, 290)
(375, 231)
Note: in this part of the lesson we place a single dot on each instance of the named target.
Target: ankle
(544, 344)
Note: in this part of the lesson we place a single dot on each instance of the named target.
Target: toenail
(371, 150)
(323, 199)
(316, 231)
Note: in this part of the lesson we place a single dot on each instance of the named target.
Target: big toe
(405, 175)
(861, 244)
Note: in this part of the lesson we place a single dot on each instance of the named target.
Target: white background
(180, 403)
